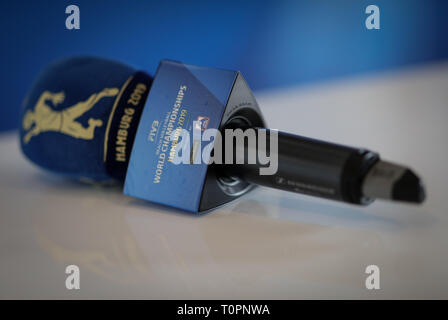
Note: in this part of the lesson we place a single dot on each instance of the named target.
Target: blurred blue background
(274, 43)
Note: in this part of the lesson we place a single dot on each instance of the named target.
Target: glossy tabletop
(269, 244)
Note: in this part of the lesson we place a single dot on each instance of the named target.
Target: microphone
(92, 119)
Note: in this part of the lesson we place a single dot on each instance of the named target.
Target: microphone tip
(390, 181)
(409, 188)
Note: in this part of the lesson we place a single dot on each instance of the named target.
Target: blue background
(274, 43)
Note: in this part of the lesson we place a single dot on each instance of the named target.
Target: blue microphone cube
(181, 94)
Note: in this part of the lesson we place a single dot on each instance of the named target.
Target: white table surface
(269, 244)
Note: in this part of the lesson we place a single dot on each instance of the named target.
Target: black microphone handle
(311, 167)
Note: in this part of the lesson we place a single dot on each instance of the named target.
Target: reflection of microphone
(81, 118)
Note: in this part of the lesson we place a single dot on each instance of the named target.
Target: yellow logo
(46, 119)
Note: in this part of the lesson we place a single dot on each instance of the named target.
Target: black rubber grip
(312, 167)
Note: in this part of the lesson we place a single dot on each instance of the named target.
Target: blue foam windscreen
(67, 115)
